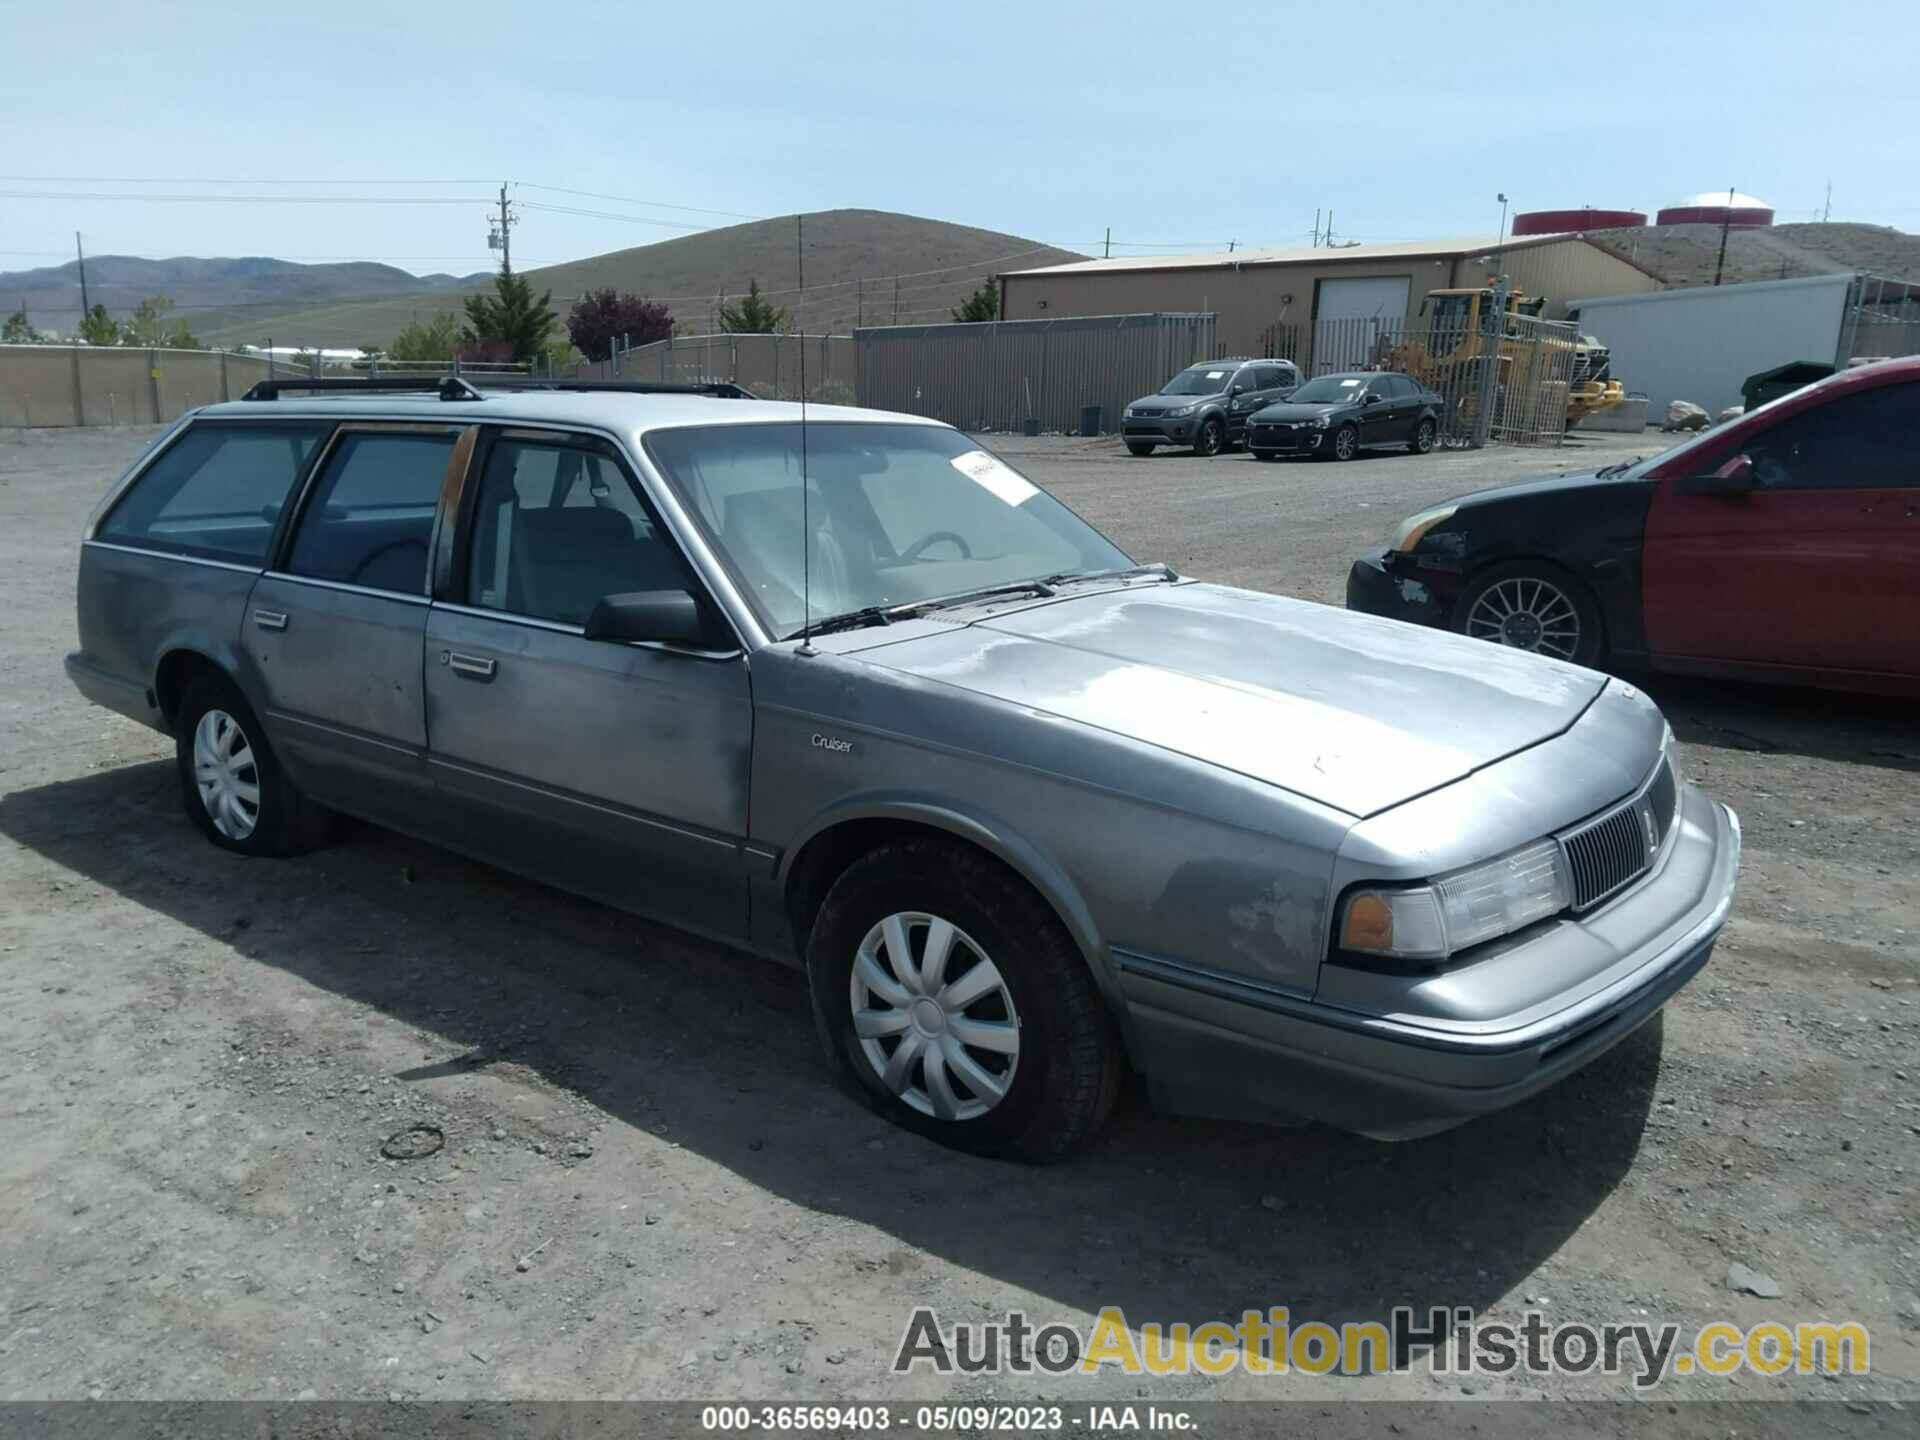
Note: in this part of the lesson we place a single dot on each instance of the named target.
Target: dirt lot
(650, 1189)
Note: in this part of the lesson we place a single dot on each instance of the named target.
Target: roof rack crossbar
(724, 389)
(447, 387)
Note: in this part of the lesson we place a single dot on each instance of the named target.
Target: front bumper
(1158, 431)
(1285, 439)
(1220, 1045)
(1375, 587)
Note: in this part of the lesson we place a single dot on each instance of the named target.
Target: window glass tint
(558, 526)
(216, 491)
(1859, 441)
(369, 519)
(1268, 377)
(1399, 387)
(891, 514)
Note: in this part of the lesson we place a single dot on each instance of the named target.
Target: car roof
(622, 411)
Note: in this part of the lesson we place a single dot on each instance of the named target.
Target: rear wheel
(230, 780)
(1424, 435)
(949, 995)
(1209, 438)
(1533, 605)
(1138, 447)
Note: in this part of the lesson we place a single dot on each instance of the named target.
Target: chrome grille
(1610, 852)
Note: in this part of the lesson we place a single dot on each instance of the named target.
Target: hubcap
(934, 1017)
(1527, 614)
(225, 774)
(1343, 444)
(1425, 437)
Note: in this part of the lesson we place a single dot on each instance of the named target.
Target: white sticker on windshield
(991, 474)
(1216, 374)
(1349, 384)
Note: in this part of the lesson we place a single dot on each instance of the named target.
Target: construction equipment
(1450, 349)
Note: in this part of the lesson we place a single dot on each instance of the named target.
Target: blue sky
(1181, 126)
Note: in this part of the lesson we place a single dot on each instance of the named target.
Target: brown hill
(1685, 255)
(859, 265)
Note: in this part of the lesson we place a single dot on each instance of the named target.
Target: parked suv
(850, 692)
(1206, 406)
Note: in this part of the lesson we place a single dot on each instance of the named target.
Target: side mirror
(1735, 477)
(670, 617)
(1369, 399)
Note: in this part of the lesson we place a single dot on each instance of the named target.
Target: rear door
(612, 769)
(1817, 565)
(336, 630)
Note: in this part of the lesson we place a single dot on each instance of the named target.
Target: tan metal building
(1257, 293)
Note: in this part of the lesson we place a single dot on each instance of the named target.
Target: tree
(558, 358)
(99, 328)
(19, 330)
(432, 340)
(149, 325)
(753, 314)
(982, 304)
(601, 317)
(509, 318)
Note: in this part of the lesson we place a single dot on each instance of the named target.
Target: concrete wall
(1700, 344)
(1251, 298)
(59, 385)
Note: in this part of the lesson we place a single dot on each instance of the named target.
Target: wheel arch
(837, 838)
(1516, 557)
(179, 665)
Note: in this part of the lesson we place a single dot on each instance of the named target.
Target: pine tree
(754, 314)
(510, 319)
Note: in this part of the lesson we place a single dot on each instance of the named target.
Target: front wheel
(947, 992)
(230, 780)
(1210, 437)
(1424, 435)
(1343, 444)
(1135, 447)
(1533, 606)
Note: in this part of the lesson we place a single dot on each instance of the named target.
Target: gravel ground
(650, 1189)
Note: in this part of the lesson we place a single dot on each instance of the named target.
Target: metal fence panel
(768, 365)
(1003, 374)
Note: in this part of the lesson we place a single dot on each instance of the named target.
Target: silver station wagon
(851, 692)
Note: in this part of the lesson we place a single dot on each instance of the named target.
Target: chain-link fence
(1502, 378)
(769, 365)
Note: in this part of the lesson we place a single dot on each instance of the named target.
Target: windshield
(897, 514)
(1330, 390)
(1200, 380)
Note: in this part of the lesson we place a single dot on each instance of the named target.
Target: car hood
(1352, 711)
(1287, 413)
(1160, 404)
(1544, 485)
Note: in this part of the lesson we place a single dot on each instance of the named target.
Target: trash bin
(1782, 380)
(1030, 426)
(1089, 419)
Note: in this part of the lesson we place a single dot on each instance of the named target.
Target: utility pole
(1316, 230)
(82, 256)
(1726, 222)
(896, 299)
(1106, 248)
(1826, 210)
(500, 237)
(859, 301)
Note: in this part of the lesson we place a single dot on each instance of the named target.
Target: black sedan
(1341, 415)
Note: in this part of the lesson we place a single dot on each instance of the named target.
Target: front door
(1378, 420)
(1813, 567)
(335, 630)
(616, 770)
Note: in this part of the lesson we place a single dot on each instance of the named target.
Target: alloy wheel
(1527, 613)
(934, 1017)
(1344, 444)
(225, 774)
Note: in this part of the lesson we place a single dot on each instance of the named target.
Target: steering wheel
(366, 562)
(934, 537)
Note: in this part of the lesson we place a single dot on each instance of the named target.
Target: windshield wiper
(847, 620)
(1605, 471)
(1125, 572)
(887, 614)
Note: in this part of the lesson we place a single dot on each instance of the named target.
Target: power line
(634, 200)
(245, 199)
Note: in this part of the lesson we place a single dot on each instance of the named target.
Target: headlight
(1414, 528)
(1183, 410)
(1433, 921)
(1319, 422)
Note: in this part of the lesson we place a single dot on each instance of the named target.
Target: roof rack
(459, 388)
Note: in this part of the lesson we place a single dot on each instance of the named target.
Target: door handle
(270, 619)
(478, 667)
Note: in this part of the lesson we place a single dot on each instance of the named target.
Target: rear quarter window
(216, 491)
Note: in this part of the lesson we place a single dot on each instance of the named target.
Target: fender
(994, 836)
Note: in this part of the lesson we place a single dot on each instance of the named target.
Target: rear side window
(369, 518)
(216, 491)
(1862, 441)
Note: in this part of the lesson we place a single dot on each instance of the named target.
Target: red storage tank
(1560, 222)
(1717, 208)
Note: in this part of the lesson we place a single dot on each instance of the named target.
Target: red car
(1784, 545)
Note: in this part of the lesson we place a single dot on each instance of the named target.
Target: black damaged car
(1341, 415)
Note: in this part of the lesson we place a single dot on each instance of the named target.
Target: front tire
(1343, 444)
(1134, 447)
(231, 783)
(951, 998)
(1208, 440)
(1533, 605)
